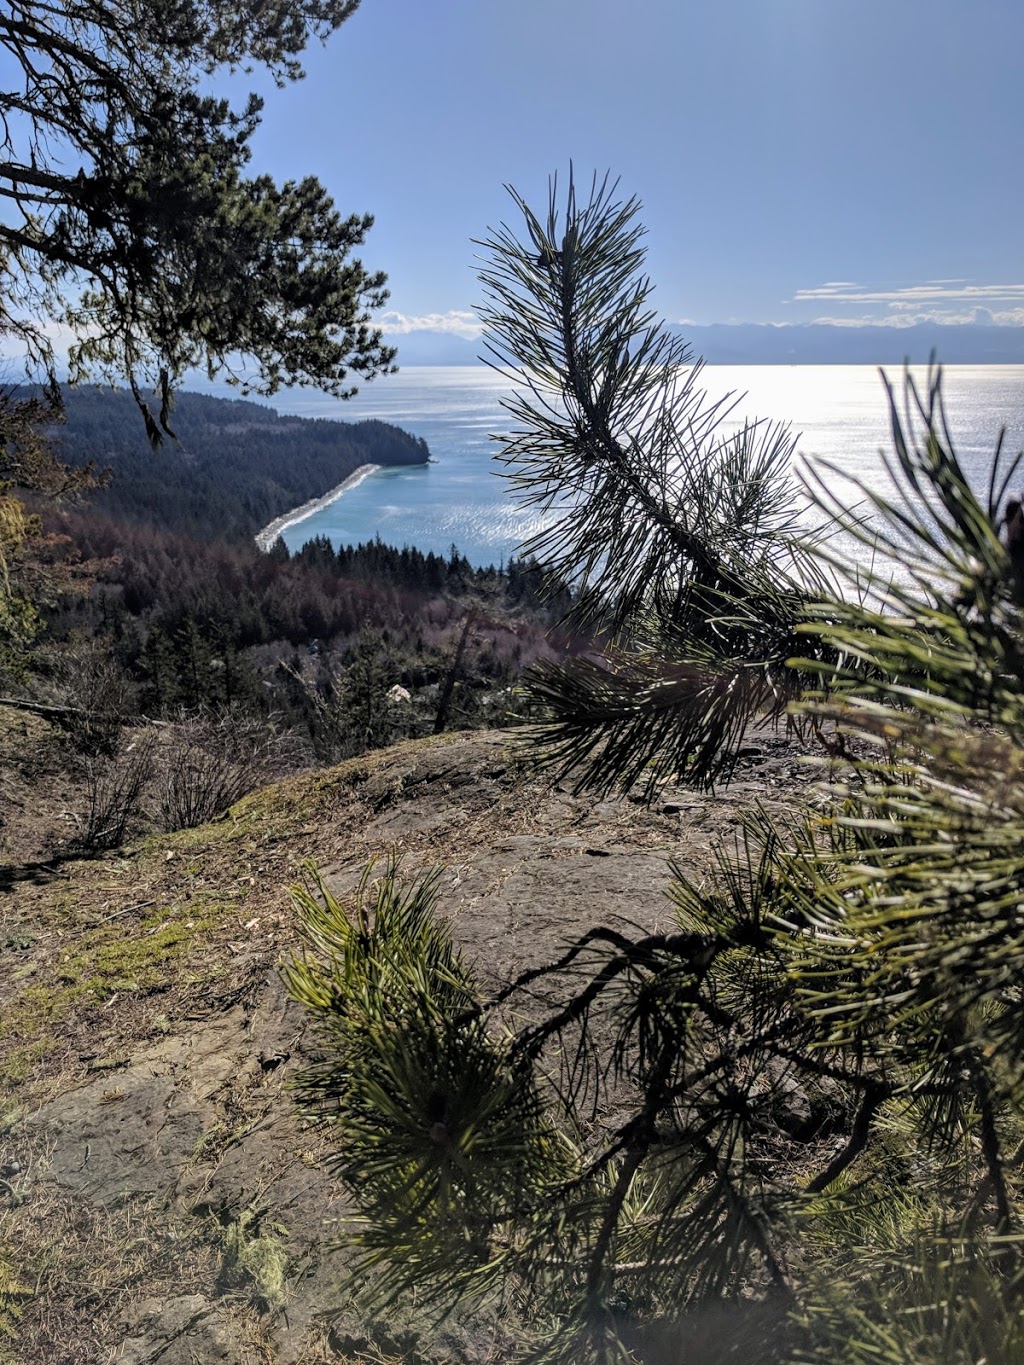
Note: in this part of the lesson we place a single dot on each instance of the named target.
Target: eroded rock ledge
(150, 1131)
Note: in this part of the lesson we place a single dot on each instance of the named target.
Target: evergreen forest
(150, 602)
(232, 467)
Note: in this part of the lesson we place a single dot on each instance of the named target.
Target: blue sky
(798, 160)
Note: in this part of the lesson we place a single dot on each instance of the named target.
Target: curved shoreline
(266, 537)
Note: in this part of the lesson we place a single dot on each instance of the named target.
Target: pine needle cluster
(817, 1077)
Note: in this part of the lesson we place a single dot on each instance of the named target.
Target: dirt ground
(161, 1200)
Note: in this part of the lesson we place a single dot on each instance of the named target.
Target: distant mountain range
(797, 344)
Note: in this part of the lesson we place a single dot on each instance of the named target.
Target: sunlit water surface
(839, 411)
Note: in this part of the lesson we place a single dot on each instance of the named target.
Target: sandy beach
(270, 532)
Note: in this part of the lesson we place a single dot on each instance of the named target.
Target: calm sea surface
(839, 411)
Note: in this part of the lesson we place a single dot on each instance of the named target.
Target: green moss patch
(157, 953)
(85, 946)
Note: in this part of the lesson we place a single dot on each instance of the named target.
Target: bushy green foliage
(813, 1085)
(441, 1130)
(18, 616)
(27, 462)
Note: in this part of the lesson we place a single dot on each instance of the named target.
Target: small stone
(271, 1061)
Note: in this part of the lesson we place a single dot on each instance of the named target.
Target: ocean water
(840, 413)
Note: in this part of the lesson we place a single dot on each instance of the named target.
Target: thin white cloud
(935, 291)
(948, 302)
(462, 324)
(907, 316)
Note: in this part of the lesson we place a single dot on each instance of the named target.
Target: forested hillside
(149, 605)
(234, 467)
(201, 624)
(164, 570)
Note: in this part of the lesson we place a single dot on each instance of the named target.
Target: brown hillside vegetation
(162, 1199)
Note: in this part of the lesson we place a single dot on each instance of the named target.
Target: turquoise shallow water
(839, 410)
(459, 499)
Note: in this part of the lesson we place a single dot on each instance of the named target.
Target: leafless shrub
(94, 693)
(350, 710)
(329, 731)
(209, 763)
(114, 787)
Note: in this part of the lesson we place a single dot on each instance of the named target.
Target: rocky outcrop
(169, 1204)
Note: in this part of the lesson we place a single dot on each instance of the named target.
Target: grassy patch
(13, 1295)
(255, 1260)
(137, 960)
(161, 951)
(168, 916)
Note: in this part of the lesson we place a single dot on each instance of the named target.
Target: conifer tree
(130, 220)
(678, 539)
(865, 955)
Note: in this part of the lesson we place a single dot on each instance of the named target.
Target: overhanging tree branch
(153, 249)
